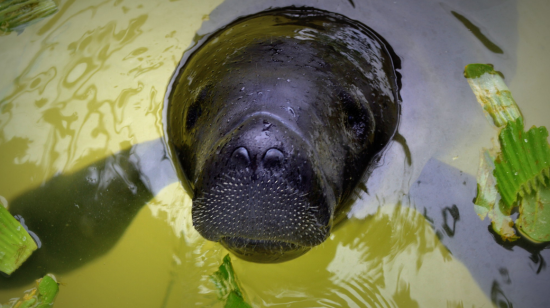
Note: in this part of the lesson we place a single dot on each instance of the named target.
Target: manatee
(270, 124)
(274, 120)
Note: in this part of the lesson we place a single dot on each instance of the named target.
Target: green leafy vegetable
(492, 93)
(40, 297)
(488, 196)
(228, 286)
(524, 161)
(16, 245)
(235, 301)
(16, 14)
(534, 219)
(518, 175)
(47, 290)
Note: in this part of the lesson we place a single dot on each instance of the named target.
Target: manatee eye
(356, 116)
(273, 158)
(240, 158)
(195, 110)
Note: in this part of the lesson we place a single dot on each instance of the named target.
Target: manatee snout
(261, 194)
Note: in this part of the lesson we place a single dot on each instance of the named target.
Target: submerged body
(274, 120)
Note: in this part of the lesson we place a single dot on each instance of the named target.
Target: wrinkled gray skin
(274, 120)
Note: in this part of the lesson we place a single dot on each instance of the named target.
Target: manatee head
(274, 120)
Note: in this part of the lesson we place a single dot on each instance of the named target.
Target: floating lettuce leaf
(492, 93)
(42, 296)
(17, 14)
(534, 219)
(523, 163)
(522, 168)
(47, 290)
(235, 301)
(16, 245)
(227, 285)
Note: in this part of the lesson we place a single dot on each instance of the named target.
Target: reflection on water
(390, 259)
(75, 88)
(89, 81)
(90, 85)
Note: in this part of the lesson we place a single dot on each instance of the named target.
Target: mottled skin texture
(274, 121)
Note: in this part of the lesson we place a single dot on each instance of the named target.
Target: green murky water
(90, 81)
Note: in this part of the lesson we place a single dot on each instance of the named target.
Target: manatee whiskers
(259, 208)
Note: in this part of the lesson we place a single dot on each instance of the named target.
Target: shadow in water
(80, 216)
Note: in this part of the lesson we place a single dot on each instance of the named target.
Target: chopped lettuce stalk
(16, 245)
(486, 191)
(487, 197)
(521, 170)
(502, 223)
(42, 296)
(17, 14)
(227, 285)
(492, 93)
(534, 219)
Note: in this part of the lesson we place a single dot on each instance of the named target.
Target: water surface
(90, 81)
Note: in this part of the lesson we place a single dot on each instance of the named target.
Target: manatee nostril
(240, 158)
(273, 158)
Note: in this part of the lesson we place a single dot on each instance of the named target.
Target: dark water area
(89, 83)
